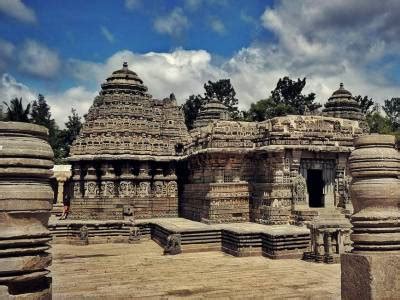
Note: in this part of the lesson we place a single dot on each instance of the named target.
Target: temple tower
(126, 152)
(213, 110)
(342, 105)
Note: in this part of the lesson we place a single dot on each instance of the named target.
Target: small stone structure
(372, 270)
(61, 176)
(26, 160)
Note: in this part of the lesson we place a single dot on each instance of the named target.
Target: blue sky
(65, 49)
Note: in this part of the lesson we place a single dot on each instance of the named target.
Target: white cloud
(10, 88)
(336, 42)
(132, 4)
(78, 97)
(327, 56)
(107, 34)
(181, 71)
(17, 10)
(60, 103)
(193, 5)
(173, 24)
(36, 59)
(6, 53)
(217, 26)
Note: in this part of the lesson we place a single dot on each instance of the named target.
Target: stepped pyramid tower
(213, 110)
(342, 105)
(125, 155)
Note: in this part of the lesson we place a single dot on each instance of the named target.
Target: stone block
(370, 276)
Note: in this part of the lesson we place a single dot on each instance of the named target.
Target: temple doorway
(315, 187)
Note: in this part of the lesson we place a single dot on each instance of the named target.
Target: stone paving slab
(185, 225)
(140, 271)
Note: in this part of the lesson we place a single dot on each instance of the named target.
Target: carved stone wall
(112, 190)
(217, 191)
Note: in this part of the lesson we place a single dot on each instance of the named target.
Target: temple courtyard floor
(141, 271)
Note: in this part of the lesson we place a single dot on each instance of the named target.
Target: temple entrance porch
(320, 177)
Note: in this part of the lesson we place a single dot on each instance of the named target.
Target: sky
(65, 49)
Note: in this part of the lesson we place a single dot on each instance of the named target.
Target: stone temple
(281, 188)
(135, 163)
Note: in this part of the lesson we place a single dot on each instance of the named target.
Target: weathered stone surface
(342, 105)
(124, 159)
(140, 271)
(26, 195)
(372, 271)
(375, 167)
(370, 276)
(173, 245)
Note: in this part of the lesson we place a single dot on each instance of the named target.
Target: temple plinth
(372, 270)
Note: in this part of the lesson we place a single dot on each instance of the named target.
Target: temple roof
(125, 120)
(125, 81)
(213, 110)
(342, 105)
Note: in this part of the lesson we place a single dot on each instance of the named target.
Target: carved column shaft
(371, 271)
(26, 160)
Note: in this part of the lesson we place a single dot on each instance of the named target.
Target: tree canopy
(39, 112)
(286, 98)
(366, 104)
(16, 111)
(224, 92)
(71, 131)
(392, 110)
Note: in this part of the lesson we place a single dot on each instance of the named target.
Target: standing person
(66, 203)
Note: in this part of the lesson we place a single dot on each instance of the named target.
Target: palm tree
(16, 111)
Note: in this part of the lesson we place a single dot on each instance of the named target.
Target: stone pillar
(26, 197)
(61, 173)
(76, 181)
(90, 182)
(108, 178)
(372, 270)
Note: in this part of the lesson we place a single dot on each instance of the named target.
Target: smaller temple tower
(213, 110)
(342, 105)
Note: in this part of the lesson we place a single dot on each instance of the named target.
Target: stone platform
(238, 239)
(124, 271)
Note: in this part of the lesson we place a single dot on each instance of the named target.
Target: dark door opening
(315, 186)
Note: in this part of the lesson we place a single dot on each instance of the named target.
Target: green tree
(261, 110)
(191, 109)
(2, 117)
(286, 98)
(392, 110)
(378, 123)
(16, 111)
(71, 131)
(225, 93)
(41, 115)
(366, 104)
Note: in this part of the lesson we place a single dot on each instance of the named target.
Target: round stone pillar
(375, 193)
(26, 196)
(372, 270)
